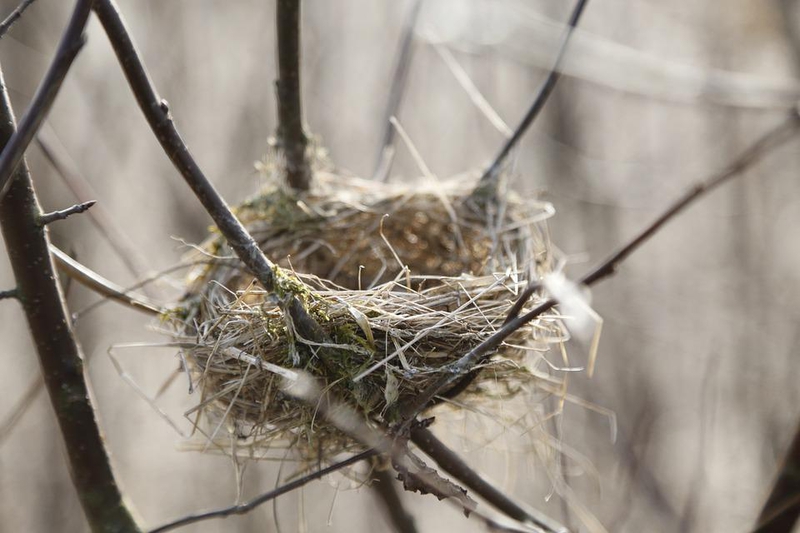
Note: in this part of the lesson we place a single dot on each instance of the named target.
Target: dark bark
(68, 47)
(59, 354)
(292, 138)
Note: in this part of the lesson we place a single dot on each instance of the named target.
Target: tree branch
(244, 508)
(451, 463)
(487, 186)
(396, 92)
(291, 136)
(58, 350)
(99, 216)
(9, 294)
(156, 111)
(97, 283)
(71, 42)
(770, 141)
(49, 218)
(14, 16)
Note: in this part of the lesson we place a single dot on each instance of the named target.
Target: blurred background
(698, 358)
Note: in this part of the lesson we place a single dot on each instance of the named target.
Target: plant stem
(291, 136)
(451, 463)
(487, 186)
(156, 112)
(396, 92)
(59, 354)
(68, 47)
(764, 145)
(14, 16)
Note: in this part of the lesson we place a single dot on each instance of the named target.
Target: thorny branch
(291, 136)
(487, 186)
(71, 42)
(770, 141)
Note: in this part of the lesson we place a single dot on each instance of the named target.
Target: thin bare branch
(412, 471)
(58, 350)
(487, 186)
(49, 218)
(770, 141)
(451, 463)
(396, 91)
(8, 294)
(71, 43)
(99, 216)
(14, 16)
(291, 136)
(156, 111)
(97, 283)
(244, 508)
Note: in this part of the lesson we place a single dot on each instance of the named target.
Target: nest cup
(404, 280)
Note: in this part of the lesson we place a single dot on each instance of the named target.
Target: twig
(413, 472)
(244, 508)
(384, 486)
(291, 137)
(770, 141)
(99, 216)
(49, 218)
(487, 186)
(782, 508)
(397, 90)
(71, 42)
(8, 294)
(14, 16)
(451, 463)
(94, 281)
(56, 345)
(156, 111)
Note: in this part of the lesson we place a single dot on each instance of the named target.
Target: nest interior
(403, 282)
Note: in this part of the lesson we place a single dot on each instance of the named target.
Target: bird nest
(403, 282)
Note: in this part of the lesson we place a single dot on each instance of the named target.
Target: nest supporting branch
(292, 137)
(770, 141)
